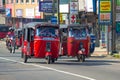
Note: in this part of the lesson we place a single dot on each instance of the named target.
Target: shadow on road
(75, 62)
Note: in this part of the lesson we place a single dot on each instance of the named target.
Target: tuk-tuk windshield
(47, 31)
(78, 33)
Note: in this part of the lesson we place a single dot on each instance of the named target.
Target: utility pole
(113, 26)
(58, 10)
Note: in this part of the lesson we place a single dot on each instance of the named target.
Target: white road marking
(44, 67)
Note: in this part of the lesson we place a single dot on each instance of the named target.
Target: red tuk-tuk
(41, 40)
(75, 41)
(18, 39)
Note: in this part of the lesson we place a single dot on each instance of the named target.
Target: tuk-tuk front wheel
(48, 59)
(10, 50)
(81, 57)
(25, 58)
(53, 60)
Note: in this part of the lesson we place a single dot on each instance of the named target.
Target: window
(11, 1)
(21, 1)
(38, 1)
(6, 1)
(27, 1)
(16, 1)
(33, 1)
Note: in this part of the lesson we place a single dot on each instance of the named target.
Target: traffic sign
(54, 20)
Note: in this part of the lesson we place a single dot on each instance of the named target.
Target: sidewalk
(100, 52)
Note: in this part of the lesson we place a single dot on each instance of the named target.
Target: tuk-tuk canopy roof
(35, 24)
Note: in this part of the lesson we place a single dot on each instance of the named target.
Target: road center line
(44, 67)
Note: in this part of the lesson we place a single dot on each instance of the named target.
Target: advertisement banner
(105, 12)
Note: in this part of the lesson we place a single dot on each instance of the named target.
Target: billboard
(105, 12)
(46, 6)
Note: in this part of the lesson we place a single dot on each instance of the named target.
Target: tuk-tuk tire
(53, 60)
(81, 58)
(25, 58)
(22, 55)
(48, 59)
(10, 50)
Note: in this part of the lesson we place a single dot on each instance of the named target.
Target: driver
(9, 35)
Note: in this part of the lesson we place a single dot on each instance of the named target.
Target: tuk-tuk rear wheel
(81, 57)
(10, 50)
(53, 60)
(25, 58)
(22, 55)
(48, 59)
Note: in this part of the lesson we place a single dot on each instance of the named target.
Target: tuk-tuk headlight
(48, 46)
(11, 38)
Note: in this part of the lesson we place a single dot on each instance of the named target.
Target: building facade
(19, 12)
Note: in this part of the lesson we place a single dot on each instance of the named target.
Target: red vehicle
(41, 40)
(18, 39)
(75, 41)
(3, 31)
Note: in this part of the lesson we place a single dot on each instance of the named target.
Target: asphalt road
(95, 68)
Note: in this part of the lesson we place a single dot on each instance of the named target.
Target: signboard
(54, 20)
(64, 8)
(118, 10)
(105, 12)
(29, 12)
(72, 18)
(105, 6)
(61, 18)
(89, 5)
(118, 2)
(73, 7)
(8, 12)
(46, 6)
(37, 13)
(118, 27)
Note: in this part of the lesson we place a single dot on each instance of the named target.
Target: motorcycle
(11, 45)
